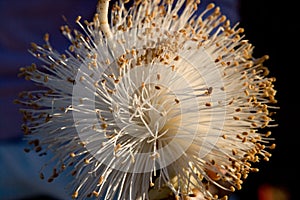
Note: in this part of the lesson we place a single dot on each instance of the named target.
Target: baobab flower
(158, 103)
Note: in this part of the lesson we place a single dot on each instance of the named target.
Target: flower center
(150, 108)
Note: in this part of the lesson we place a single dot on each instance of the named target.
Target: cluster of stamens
(183, 91)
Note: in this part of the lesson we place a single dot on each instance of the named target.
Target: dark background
(271, 27)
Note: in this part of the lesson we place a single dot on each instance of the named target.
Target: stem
(103, 13)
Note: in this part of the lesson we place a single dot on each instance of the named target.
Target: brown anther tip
(223, 18)
(157, 87)
(50, 180)
(117, 147)
(266, 159)
(232, 189)
(236, 118)
(72, 154)
(78, 19)
(46, 37)
(176, 58)
(208, 104)
(273, 146)
(96, 194)
(255, 170)
(104, 126)
(42, 176)
(34, 45)
(75, 195)
(100, 181)
(210, 6)
(224, 197)
(238, 110)
(266, 57)
(16, 101)
(38, 149)
(27, 150)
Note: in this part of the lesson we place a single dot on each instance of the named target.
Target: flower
(159, 103)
